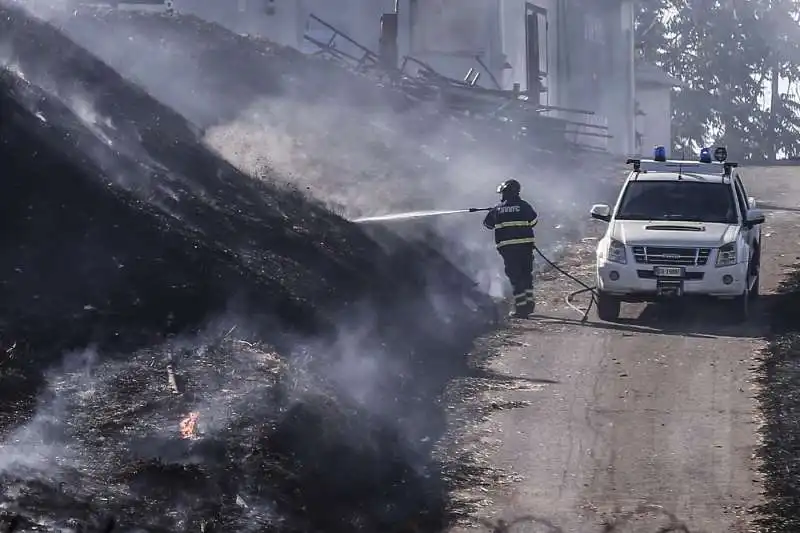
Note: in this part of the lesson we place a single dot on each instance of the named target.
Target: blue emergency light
(659, 153)
(705, 155)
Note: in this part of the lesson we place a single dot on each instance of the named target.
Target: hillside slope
(360, 147)
(127, 244)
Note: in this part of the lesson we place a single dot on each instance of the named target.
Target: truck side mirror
(754, 217)
(601, 212)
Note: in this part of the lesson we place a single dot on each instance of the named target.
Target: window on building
(536, 30)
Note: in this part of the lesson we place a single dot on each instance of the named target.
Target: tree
(725, 52)
(784, 120)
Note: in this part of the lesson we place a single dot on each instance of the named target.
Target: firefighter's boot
(531, 301)
(521, 311)
(520, 306)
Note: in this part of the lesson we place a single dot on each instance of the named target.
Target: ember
(188, 426)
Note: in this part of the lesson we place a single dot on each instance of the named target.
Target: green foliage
(726, 52)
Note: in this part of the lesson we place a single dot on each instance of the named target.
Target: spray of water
(411, 214)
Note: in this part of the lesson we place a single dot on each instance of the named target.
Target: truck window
(740, 184)
(741, 197)
(673, 200)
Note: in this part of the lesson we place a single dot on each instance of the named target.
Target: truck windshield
(689, 201)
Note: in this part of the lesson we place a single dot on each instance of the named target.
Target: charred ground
(779, 374)
(126, 244)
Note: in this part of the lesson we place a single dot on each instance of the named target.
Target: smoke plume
(336, 135)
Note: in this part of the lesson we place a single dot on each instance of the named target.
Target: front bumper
(638, 282)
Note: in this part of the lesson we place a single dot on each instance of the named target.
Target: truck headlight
(615, 252)
(726, 254)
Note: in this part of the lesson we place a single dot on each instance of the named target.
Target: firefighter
(513, 220)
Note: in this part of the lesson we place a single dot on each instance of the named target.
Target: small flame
(188, 426)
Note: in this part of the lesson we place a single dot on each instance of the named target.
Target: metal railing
(421, 82)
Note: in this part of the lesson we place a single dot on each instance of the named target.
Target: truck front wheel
(741, 307)
(755, 274)
(608, 307)
(741, 304)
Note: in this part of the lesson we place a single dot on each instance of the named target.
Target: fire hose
(569, 297)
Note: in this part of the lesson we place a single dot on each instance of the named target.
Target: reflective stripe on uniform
(513, 224)
(533, 222)
(520, 298)
(526, 240)
(529, 295)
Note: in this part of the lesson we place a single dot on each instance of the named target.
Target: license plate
(669, 272)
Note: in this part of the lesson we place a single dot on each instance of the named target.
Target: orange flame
(188, 426)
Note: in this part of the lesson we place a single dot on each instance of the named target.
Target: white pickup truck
(679, 229)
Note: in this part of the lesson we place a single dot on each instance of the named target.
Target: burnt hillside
(151, 159)
(127, 244)
(359, 144)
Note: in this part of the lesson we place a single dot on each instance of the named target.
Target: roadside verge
(779, 398)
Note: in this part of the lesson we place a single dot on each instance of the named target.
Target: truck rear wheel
(608, 307)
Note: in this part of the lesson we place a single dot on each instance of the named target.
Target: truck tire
(608, 307)
(755, 290)
(741, 306)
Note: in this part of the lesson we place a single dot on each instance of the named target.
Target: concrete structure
(575, 54)
(654, 99)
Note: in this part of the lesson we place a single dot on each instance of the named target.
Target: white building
(578, 54)
(654, 98)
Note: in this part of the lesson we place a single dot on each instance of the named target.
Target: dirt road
(646, 423)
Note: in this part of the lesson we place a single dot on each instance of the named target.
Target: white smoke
(42, 446)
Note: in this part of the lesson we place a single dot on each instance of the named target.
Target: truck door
(741, 199)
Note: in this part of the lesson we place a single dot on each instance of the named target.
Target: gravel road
(645, 424)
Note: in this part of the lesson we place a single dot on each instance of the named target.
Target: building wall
(656, 125)
(589, 44)
(597, 74)
(514, 39)
(447, 42)
(621, 106)
(449, 34)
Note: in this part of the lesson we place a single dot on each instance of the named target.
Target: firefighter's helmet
(509, 187)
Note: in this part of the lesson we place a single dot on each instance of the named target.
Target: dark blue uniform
(513, 221)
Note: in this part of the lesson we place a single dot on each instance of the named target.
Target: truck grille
(660, 255)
